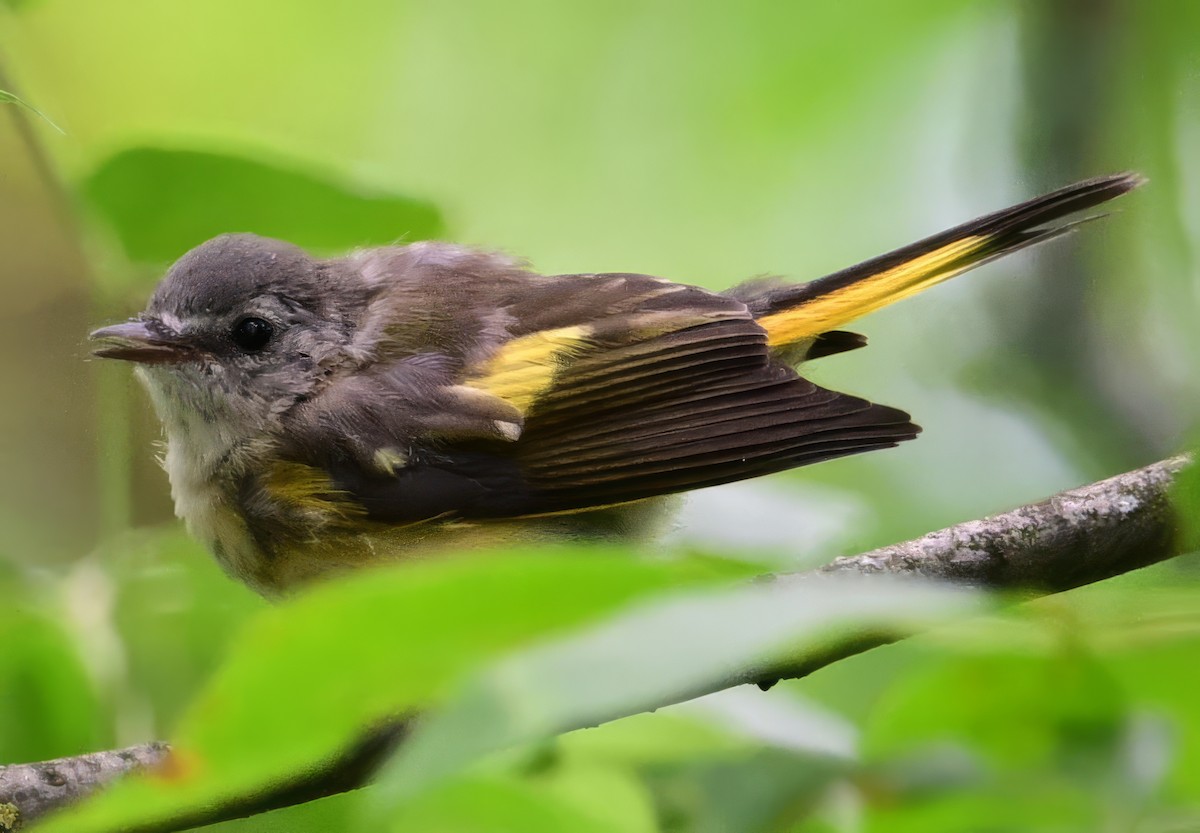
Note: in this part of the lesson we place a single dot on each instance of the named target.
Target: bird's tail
(794, 315)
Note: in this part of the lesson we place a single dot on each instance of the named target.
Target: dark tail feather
(806, 310)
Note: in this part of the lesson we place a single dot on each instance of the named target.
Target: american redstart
(326, 413)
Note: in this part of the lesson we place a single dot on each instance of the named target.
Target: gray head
(240, 329)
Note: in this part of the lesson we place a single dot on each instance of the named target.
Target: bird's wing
(694, 407)
(623, 389)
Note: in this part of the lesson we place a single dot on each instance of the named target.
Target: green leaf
(49, 706)
(1023, 712)
(177, 615)
(758, 793)
(1031, 808)
(11, 98)
(664, 651)
(739, 759)
(335, 813)
(305, 679)
(577, 799)
(661, 738)
(160, 202)
(1163, 678)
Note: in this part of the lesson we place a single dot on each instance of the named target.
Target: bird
(407, 400)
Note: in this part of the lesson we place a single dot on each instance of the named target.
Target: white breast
(202, 461)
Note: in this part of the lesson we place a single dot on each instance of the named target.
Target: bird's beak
(144, 342)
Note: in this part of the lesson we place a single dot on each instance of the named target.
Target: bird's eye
(252, 334)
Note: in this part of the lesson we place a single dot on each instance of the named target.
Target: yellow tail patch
(833, 309)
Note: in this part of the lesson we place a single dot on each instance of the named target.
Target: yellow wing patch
(832, 310)
(526, 367)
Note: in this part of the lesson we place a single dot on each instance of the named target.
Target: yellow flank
(830, 311)
(525, 368)
(308, 490)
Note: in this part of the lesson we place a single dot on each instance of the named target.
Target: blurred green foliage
(706, 143)
(47, 691)
(162, 202)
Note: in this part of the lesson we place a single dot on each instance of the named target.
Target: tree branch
(29, 790)
(1074, 538)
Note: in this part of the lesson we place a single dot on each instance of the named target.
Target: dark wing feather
(689, 409)
(643, 388)
(699, 423)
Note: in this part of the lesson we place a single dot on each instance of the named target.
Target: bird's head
(241, 329)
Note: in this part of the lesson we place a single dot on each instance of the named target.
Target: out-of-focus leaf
(701, 729)
(852, 688)
(1022, 712)
(578, 799)
(1164, 679)
(767, 790)
(787, 722)
(11, 98)
(932, 770)
(306, 679)
(652, 739)
(1055, 736)
(1032, 808)
(335, 813)
(161, 202)
(728, 761)
(47, 706)
(177, 614)
(664, 651)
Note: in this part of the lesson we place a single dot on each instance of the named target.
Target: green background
(706, 142)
